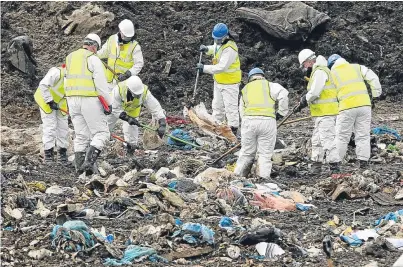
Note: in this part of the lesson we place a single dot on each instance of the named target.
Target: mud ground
(186, 26)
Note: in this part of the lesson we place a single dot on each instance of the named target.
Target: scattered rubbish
(21, 56)
(272, 202)
(269, 250)
(294, 195)
(210, 179)
(198, 230)
(391, 216)
(39, 254)
(41, 210)
(132, 253)
(181, 134)
(304, 207)
(386, 130)
(37, 186)
(356, 239)
(188, 253)
(232, 195)
(313, 252)
(57, 190)
(233, 252)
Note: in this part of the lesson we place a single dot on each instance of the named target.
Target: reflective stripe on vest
(57, 92)
(122, 62)
(78, 80)
(257, 99)
(351, 89)
(326, 104)
(233, 74)
(132, 108)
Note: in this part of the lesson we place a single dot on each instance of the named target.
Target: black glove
(200, 67)
(124, 76)
(279, 117)
(133, 121)
(108, 112)
(302, 103)
(162, 127)
(203, 48)
(53, 105)
(123, 116)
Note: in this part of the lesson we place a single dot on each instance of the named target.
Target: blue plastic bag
(179, 133)
(131, 253)
(391, 216)
(386, 130)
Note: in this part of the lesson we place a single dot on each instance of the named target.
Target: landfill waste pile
(168, 204)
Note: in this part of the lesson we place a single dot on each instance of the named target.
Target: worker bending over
(86, 87)
(50, 96)
(128, 98)
(259, 128)
(123, 53)
(354, 106)
(226, 70)
(323, 104)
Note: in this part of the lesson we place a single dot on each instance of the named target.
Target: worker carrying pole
(226, 70)
(89, 102)
(50, 96)
(354, 106)
(259, 129)
(322, 100)
(128, 98)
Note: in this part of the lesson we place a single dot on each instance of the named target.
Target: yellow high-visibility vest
(257, 99)
(79, 80)
(233, 74)
(132, 108)
(57, 92)
(326, 104)
(121, 62)
(351, 89)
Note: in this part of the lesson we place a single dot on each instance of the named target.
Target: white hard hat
(304, 55)
(94, 37)
(127, 28)
(135, 85)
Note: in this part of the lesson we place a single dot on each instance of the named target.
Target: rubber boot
(130, 149)
(79, 158)
(90, 158)
(335, 167)
(246, 169)
(316, 168)
(364, 164)
(49, 156)
(62, 156)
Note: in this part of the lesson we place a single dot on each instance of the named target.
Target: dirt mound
(363, 32)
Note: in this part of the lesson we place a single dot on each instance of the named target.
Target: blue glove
(200, 67)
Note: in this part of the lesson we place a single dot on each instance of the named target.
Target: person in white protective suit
(324, 107)
(123, 53)
(354, 106)
(50, 96)
(86, 88)
(259, 128)
(128, 98)
(226, 70)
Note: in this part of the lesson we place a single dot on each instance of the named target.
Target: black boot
(49, 156)
(62, 156)
(335, 167)
(79, 158)
(364, 164)
(90, 158)
(130, 149)
(316, 168)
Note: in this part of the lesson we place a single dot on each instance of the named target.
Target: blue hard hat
(332, 59)
(255, 71)
(220, 30)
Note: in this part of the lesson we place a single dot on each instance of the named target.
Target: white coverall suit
(131, 132)
(357, 120)
(324, 133)
(87, 113)
(54, 125)
(225, 99)
(258, 134)
(137, 56)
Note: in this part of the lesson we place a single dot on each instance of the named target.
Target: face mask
(308, 71)
(123, 39)
(131, 96)
(218, 41)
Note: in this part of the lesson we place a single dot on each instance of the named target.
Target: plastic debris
(39, 254)
(272, 202)
(261, 235)
(199, 231)
(269, 250)
(356, 239)
(211, 177)
(233, 252)
(37, 186)
(304, 207)
(232, 196)
(181, 134)
(386, 130)
(391, 216)
(131, 253)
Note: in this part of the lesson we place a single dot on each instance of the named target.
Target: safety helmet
(92, 38)
(135, 85)
(332, 59)
(255, 71)
(220, 30)
(126, 27)
(304, 55)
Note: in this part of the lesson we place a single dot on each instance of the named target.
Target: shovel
(239, 144)
(197, 77)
